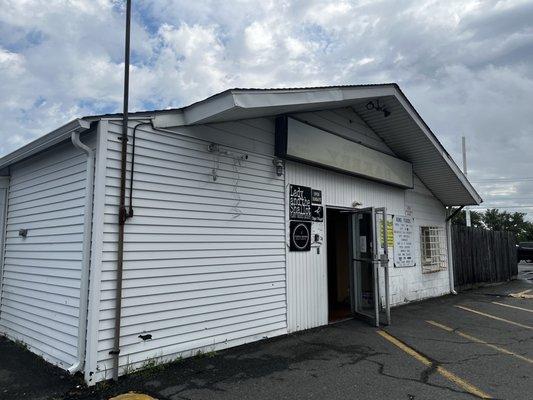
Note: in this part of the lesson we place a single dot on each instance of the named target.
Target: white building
(221, 248)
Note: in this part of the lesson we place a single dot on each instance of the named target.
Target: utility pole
(122, 206)
(465, 171)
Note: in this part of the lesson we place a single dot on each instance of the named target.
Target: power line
(489, 180)
(503, 207)
(497, 198)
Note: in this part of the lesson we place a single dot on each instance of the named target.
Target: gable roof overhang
(403, 130)
(44, 142)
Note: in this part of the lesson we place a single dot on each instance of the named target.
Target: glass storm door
(369, 256)
(364, 265)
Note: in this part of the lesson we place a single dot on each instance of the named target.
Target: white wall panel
(39, 302)
(307, 271)
(204, 260)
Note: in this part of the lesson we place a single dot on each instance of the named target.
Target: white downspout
(86, 253)
(450, 254)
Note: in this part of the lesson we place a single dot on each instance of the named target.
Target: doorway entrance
(339, 265)
(354, 258)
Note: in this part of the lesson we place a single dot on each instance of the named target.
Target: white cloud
(258, 37)
(464, 64)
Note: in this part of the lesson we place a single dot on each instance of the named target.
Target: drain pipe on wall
(86, 253)
(449, 246)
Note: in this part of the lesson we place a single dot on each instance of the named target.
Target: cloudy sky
(467, 66)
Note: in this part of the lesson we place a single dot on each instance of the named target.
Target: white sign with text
(404, 254)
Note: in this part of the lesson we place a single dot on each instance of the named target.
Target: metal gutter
(60, 134)
(86, 253)
(449, 250)
(95, 278)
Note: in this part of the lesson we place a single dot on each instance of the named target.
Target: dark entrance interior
(339, 264)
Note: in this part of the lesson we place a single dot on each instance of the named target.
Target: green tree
(528, 233)
(476, 218)
(495, 220)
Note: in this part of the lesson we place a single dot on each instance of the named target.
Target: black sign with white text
(317, 213)
(299, 203)
(316, 196)
(300, 236)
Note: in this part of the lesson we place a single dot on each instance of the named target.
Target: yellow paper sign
(390, 234)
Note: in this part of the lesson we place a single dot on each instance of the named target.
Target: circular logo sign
(301, 236)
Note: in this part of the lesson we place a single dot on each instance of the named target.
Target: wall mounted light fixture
(278, 163)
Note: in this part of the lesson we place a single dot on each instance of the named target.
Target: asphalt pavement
(473, 345)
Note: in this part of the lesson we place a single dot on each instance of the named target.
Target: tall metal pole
(465, 171)
(122, 215)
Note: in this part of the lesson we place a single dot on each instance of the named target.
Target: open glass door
(368, 258)
(365, 273)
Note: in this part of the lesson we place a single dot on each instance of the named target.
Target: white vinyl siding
(41, 275)
(204, 260)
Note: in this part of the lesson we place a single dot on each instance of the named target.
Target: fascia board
(449, 161)
(44, 142)
(199, 112)
(167, 120)
(220, 107)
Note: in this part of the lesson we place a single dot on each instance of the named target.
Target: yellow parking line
(441, 370)
(475, 339)
(510, 306)
(495, 317)
(523, 294)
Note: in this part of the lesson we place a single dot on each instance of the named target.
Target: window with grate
(433, 249)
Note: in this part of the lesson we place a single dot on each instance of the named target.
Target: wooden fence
(481, 256)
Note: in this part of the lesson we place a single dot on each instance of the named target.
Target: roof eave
(56, 136)
(221, 107)
(476, 198)
(237, 104)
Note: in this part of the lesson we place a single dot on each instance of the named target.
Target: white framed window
(433, 249)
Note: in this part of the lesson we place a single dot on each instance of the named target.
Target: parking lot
(474, 345)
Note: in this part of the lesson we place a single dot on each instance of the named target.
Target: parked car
(525, 251)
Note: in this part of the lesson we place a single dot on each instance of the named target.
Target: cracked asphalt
(349, 360)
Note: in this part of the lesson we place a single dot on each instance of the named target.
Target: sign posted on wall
(403, 241)
(299, 203)
(390, 234)
(300, 236)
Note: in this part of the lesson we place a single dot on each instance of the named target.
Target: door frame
(351, 271)
(377, 261)
(383, 259)
(356, 264)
